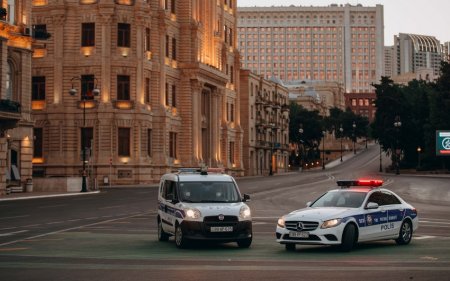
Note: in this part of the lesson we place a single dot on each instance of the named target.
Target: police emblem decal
(369, 219)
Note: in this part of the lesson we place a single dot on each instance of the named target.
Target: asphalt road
(112, 235)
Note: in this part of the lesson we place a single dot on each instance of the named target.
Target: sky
(424, 17)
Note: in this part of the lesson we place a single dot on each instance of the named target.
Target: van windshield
(208, 192)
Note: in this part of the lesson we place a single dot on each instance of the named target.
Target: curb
(48, 196)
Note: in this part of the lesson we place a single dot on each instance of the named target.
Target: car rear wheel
(244, 243)
(405, 234)
(348, 238)
(162, 235)
(180, 240)
(290, 247)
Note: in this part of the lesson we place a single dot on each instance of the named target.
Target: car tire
(162, 235)
(290, 247)
(180, 240)
(244, 243)
(405, 234)
(348, 238)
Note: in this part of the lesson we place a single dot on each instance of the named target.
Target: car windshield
(345, 199)
(208, 192)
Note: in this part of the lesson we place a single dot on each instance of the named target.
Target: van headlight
(245, 213)
(331, 223)
(192, 213)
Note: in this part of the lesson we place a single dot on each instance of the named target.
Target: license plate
(221, 229)
(301, 234)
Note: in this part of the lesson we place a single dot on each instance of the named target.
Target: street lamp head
(73, 91)
(341, 129)
(354, 125)
(300, 131)
(419, 149)
(96, 92)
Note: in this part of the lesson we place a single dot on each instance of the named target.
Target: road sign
(442, 143)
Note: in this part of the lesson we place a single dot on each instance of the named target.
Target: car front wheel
(180, 240)
(244, 243)
(348, 238)
(405, 234)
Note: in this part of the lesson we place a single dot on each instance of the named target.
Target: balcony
(123, 104)
(9, 114)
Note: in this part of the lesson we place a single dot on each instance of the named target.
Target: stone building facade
(166, 72)
(265, 121)
(16, 126)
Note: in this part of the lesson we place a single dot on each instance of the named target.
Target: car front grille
(301, 225)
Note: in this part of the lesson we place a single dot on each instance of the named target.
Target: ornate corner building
(135, 88)
(265, 120)
(16, 126)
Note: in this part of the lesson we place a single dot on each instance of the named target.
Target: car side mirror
(371, 205)
(308, 204)
(246, 198)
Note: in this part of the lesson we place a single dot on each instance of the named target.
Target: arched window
(9, 82)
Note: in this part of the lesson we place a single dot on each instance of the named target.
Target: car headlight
(281, 222)
(244, 212)
(192, 213)
(331, 223)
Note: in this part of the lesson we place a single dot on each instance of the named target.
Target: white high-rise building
(342, 43)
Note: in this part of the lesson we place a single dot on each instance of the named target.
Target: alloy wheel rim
(406, 232)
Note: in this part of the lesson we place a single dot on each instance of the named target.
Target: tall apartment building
(390, 68)
(16, 126)
(166, 72)
(415, 53)
(265, 121)
(342, 43)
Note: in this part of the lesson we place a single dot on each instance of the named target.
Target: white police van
(203, 204)
(360, 211)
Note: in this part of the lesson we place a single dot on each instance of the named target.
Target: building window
(174, 96)
(11, 12)
(123, 35)
(232, 112)
(147, 90)
(124, 142)
(231, 160)
(87, 86)
(173, 145)
(231, 74)
(87, 34)
(147, 39)
(9, 82)
(167, 46)
(174, 48)
(37, 142)
(166, 94)
(123, 87)
(87, 135)
(149, 142)
(38, 88)
(173, 6)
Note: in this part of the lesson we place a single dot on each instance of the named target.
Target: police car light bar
(348, 183)
(202, 170)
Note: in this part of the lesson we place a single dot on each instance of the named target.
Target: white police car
(203, 205)
(358, 212)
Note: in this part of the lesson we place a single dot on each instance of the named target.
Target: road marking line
(15, 217)
(424, 237)
(7, 228)
(54, 222)
(111, 207)
(52, 206)
(12, 249)
(12, 233)
(65, 230)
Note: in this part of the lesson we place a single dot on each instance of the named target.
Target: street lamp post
(323, 150)
(84, 98)
(271, 149)
(354, 137)
(397, 125)
(381, 166)
(419, 150)
(300, 132)
(341, 130)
